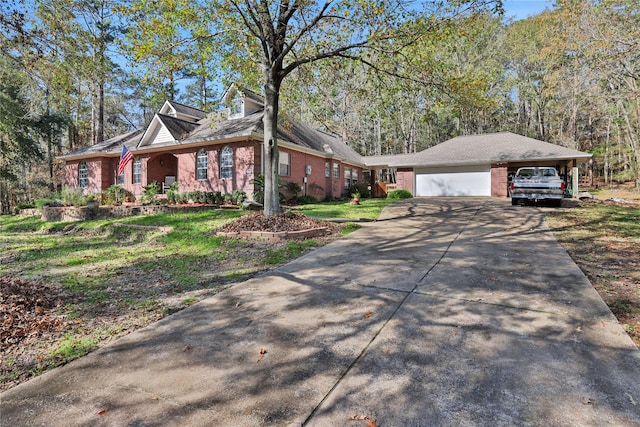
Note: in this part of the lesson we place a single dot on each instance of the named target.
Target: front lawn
(367, 209)
(69, 287)
(604, 240)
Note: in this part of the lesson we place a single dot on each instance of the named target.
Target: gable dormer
(166, 130)
(241, 102)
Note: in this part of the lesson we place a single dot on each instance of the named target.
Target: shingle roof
(252, 95)
(180, 129)
(307, 136)
(187, 110)
(110, 147)
(481, 149)
(212, 128)
(288, 130)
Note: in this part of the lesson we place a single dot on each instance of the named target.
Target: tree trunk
(270, 144)
(98, 114)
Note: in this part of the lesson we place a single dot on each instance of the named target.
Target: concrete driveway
(447, 312)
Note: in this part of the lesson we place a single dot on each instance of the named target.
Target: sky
(521, 9)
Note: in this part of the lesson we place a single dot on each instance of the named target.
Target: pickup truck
(537, 184)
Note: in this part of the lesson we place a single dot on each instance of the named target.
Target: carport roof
(481, 149)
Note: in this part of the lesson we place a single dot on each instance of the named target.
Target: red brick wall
(316, 184)
(404, 179)
(98, 172)
(498, 181)
(71, 174)
(182, 164)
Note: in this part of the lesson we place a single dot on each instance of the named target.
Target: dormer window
(241, 102)
(236, 106)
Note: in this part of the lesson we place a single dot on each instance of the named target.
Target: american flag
(125, 157)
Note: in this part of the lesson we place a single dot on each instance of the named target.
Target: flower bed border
(70, 213)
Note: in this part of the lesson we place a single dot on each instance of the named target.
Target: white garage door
(458, 181)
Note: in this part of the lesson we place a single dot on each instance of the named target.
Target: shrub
(182, 198)
(293, 188)
(625, 176)
(258, 188)
(72, 197)
(306, 200)
(172, 193)
(362, 189)
(218, 198)
(237, 197)
(399, 194)
(116, 194)
(25, 205)
(196, 196)
(150, 192)
(209, 197)
(48, 201)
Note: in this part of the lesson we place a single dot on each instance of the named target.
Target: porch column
(576, 179)
(372, 182)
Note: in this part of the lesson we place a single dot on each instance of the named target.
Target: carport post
(575, 178)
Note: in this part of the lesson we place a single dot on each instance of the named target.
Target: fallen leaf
(262, 353)
(102, 412)
(370, 422)
(154, 398)
(368, 314)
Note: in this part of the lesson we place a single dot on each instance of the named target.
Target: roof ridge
(177, 119)
(185, 105)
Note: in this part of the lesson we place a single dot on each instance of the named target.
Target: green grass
(292, 250)
(603, 220)
(604, 240)
(72, 347)
(110, 274)
(367, 209)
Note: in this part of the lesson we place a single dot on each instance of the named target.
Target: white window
(83, 175)
(236, 105)
(120, 179)
(137, 170)
(336, 170)
(347, 178)
(284, 164)
(226, 163)
(327, 169)
(201, 165)
(354, 176)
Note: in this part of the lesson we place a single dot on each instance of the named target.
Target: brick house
(219, 151)
(222, 151)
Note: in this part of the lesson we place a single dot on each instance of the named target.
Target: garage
(453, 181)
(472, 165)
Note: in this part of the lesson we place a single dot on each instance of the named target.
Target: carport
(477, 165)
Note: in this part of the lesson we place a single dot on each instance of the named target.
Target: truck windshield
(527, 173)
